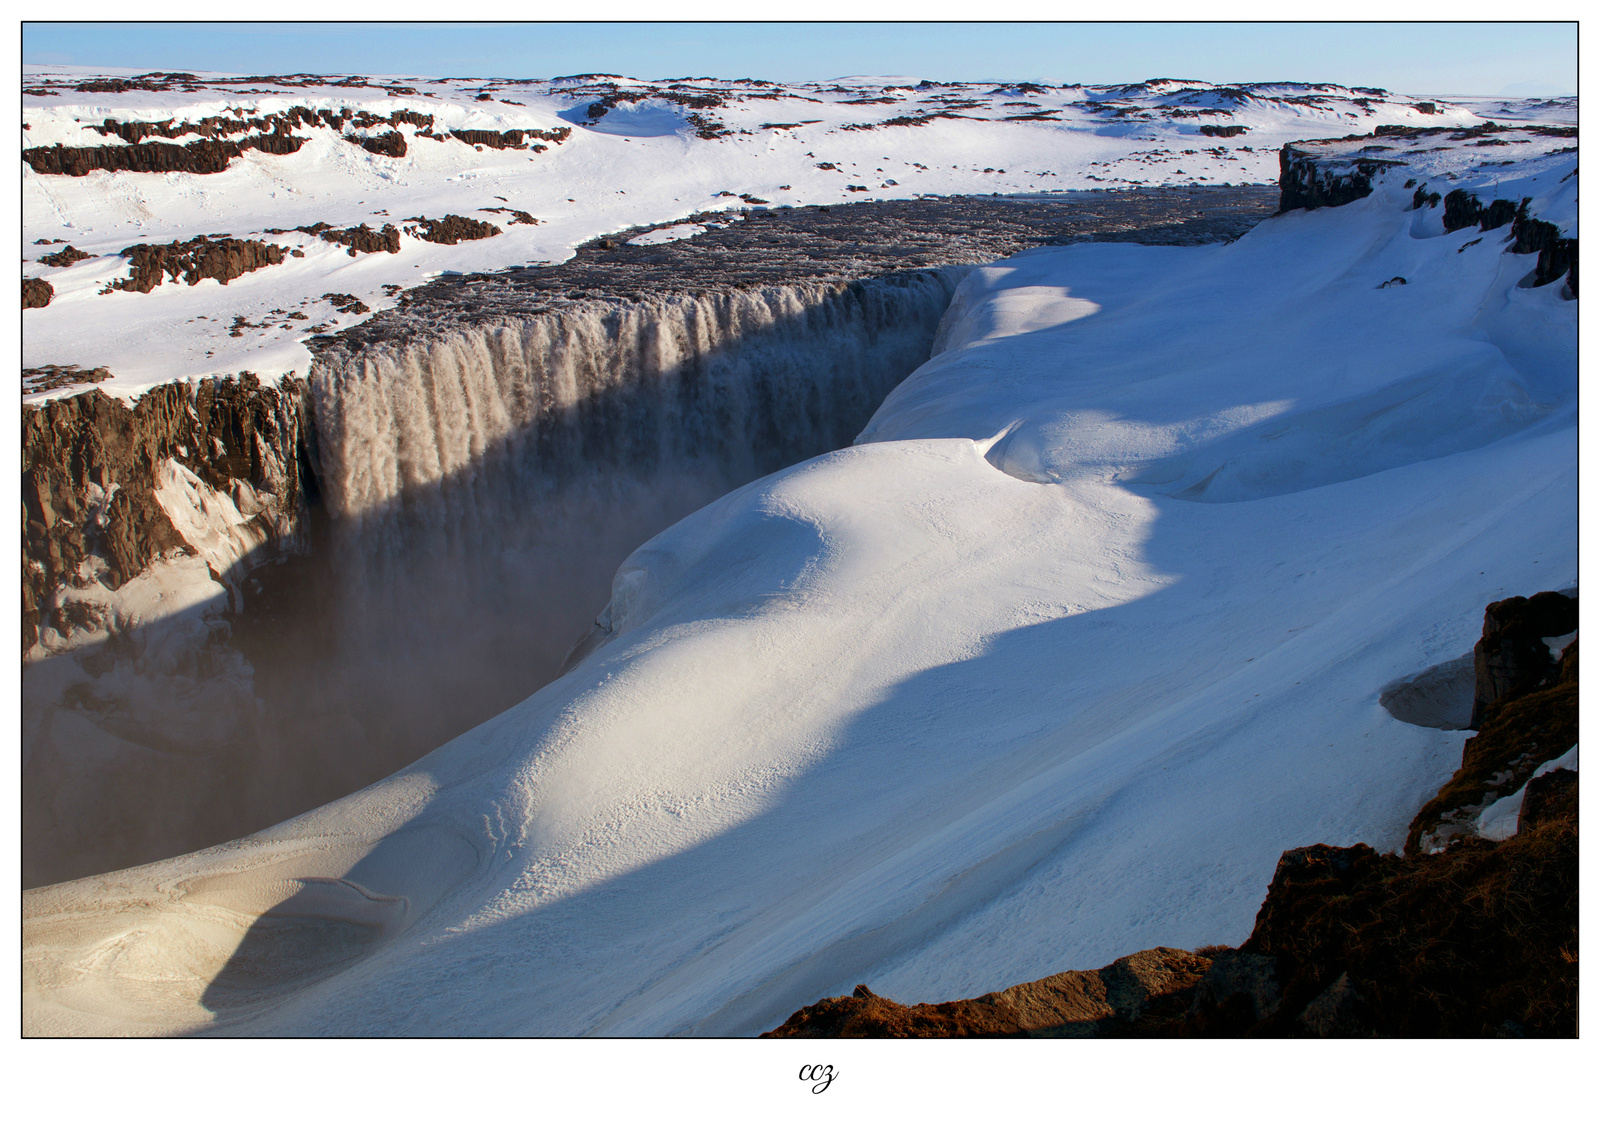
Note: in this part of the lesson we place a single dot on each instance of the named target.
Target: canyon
(428, 523)
(924, 592)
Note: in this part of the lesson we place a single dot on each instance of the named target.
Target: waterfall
(479, 487)
(482, 485)
(748, 380)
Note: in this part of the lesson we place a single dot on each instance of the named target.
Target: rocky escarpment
(1306, 181)
(92, 466)
(1327, 173)
(155, 157)
(1465, 936)
(222, 138)
(1525, 709)
(1331, 172)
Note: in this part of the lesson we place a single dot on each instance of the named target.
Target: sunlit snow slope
(551, 164)
(1048, 668)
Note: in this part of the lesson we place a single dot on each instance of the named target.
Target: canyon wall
(221, 637)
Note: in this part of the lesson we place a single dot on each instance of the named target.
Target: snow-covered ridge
(1048, 668)
(1535, 164)
(618, 154)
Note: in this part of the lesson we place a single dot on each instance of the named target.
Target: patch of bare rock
(193, 260)
(90, 468)
(222, 138)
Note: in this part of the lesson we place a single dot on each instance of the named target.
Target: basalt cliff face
(1472, 933)
(96, 486)
(1325, 174)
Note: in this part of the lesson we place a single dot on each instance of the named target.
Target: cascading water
(484, 486)
(479, 488)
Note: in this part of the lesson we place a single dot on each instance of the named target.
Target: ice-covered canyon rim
(413, 538)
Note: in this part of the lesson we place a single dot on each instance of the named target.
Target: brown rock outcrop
(36, 293)
(201, 157)
(1557, 256)
(364, 239)
(511, 139)
(1512, 656)
(218, 146)
(89, 474)
(1134, 996)
(196, 259)
(390, 144)
(450, 230)
(66, 257)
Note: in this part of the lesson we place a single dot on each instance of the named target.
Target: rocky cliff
(94, 468)
(1472, 933)
(1307, 180)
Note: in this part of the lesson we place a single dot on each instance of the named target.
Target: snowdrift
(1089, 625)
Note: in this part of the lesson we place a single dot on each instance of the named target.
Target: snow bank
(1087, 628)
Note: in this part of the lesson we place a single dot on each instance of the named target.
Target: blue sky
(1473, 58)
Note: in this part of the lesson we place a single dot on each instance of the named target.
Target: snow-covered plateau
(1086, 627)
(547, 165)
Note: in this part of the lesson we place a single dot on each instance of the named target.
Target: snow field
(1050, 667)
(640, 164)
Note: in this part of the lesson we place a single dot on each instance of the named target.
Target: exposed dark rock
(1397, 281)
(517, 215)
(1519, 734)
(1238, 991)
(1338, 1011)
(451, 230)
(66, 257)
(1462, 209)
(360, 238)
(1305, 181)
(196, 259)
(1512, 657)
(1224, 131)
(41, 378)
(511, 139)
(89, 474)
(199, 157)
(218, 144)
(1549, 797)
(1557, 256)
(119, 86)
(1452, 944)
(390, 144)
(346, 304)
(36, 293)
